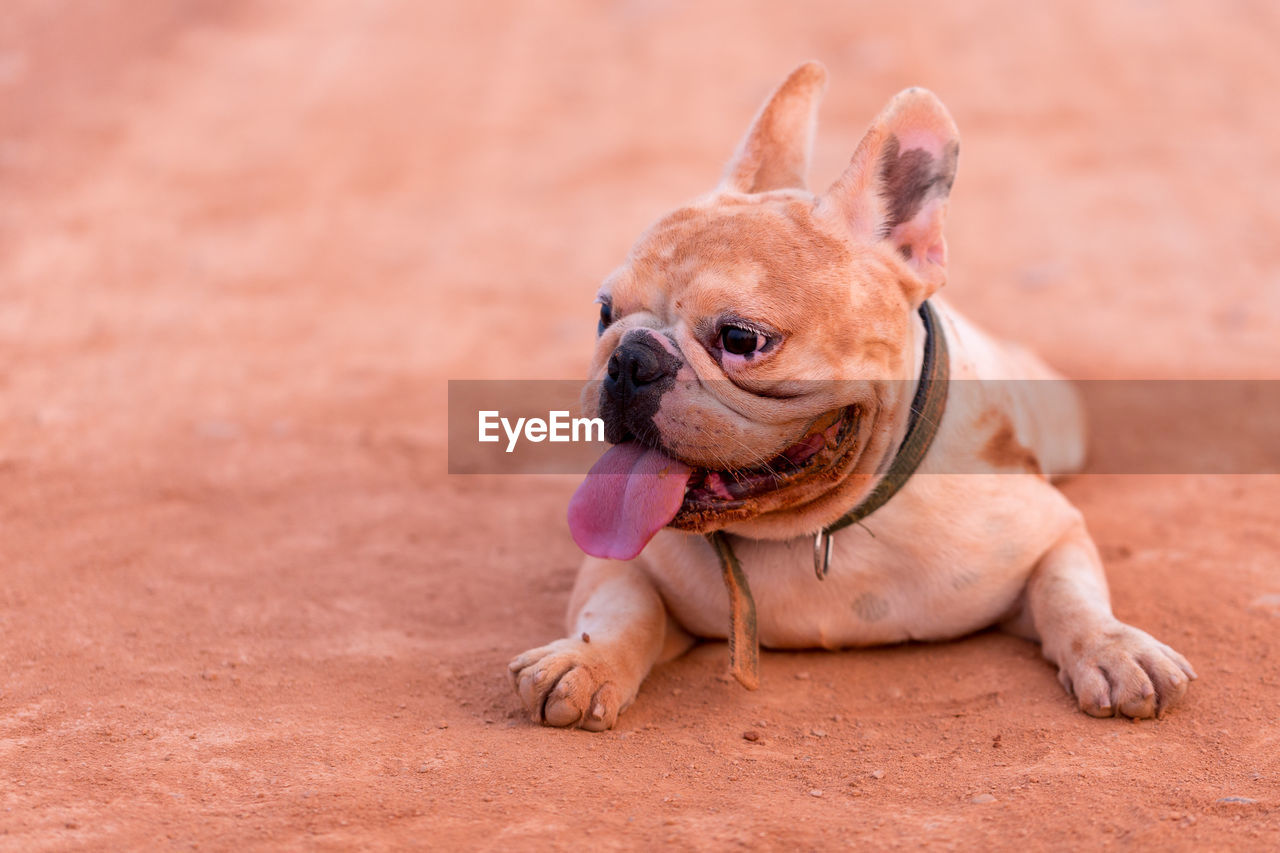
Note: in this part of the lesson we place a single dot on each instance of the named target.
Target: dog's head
(742, 342)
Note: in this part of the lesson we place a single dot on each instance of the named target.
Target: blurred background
(244, 244)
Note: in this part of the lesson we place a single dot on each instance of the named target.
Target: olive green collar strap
(927, 407)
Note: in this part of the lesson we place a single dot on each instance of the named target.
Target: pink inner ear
(938, 253)
(929, 140)
(922, 236)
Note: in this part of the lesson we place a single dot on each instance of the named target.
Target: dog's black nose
(639, 372)
(636, 363)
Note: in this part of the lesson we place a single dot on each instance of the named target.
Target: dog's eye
(740, 341)
(606, 317)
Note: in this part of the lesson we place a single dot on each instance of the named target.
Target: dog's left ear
(774, 154)
(898, 183)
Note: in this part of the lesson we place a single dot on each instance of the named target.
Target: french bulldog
(740, 370)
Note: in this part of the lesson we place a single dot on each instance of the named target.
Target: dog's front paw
(1124, 671)
(570, 683)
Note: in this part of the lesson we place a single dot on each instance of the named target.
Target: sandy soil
(244, 245)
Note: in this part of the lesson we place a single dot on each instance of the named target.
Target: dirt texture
(244, 245)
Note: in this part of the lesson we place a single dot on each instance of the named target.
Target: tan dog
(738, 373)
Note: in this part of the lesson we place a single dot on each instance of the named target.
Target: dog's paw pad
(1125, 672)
(569, 684)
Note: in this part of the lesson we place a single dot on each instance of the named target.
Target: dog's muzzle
(639, 372)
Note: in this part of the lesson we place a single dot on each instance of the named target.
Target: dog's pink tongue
(628, 496)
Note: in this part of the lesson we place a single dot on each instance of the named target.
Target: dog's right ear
(775, 152)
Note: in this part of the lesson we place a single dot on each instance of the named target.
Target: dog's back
(1045, 416)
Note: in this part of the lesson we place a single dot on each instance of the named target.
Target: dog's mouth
(713, 497)
(634, 491)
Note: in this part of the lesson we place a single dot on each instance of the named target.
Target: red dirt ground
(244, 245)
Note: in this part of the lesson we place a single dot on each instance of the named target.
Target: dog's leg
(618, 629)
(1109, 667)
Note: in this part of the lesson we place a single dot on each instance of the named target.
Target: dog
(763, 359)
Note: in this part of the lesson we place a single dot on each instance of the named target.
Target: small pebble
(815, 793)
(802, 676)
(586, 638)
(750, 735)
(1241, 800)
(877, 774)
(983, 798)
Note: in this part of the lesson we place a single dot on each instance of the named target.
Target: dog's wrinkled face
(741, 342)
(726, 329)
